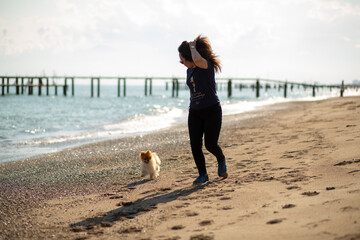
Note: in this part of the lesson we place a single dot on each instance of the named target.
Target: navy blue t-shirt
(202, 87)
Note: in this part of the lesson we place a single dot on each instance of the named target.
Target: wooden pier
(34, 82)
(23, 83)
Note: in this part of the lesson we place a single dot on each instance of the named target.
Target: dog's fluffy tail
(157, 159)
(158, 162)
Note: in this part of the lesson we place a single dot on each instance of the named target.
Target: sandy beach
(294, 173)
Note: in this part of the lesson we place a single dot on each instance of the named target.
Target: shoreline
(43, 149)
(267, 149)
(98, 140)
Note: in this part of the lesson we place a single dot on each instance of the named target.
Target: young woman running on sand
(205, 113)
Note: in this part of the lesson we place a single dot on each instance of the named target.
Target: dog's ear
(148, 154)
(142, 153)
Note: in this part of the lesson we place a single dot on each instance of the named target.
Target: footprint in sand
(147, 209)
(177, 227)
(310, 194)
(182, 180)
(225, 198)
(227, 208)
(106, 224)
(353, 171)
(354, 191)
(77, 229)
(146, 192)
(206, 222)
(349, 237)
(125, 204)
(201, 237)
(214, 195)
(191, 214)
(171, 238)
(240, 165)
(182, 205)
(347, 162)
(288, 206)
(130, 230)
(349, 209)
(275, 221)
(227, 190)
(116, 197)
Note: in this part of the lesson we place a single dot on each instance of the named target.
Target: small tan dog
(150, 164)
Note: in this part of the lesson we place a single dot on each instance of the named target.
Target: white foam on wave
(59, 139)
(247, 106)
(147, 123)
(139, 124)
(230, 108)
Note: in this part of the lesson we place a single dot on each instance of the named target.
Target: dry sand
(294, 172)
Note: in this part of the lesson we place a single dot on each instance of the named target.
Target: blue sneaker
(201, 179)
(222, 170)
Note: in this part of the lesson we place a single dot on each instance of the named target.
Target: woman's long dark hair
(204, 48)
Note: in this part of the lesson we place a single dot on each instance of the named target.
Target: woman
(205, 113)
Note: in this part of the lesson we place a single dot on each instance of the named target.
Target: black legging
(205, 122)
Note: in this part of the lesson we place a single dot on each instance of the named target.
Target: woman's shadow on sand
(130, 210)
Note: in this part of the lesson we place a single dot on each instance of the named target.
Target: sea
(35, 125)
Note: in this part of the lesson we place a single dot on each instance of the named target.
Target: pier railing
(21, 83)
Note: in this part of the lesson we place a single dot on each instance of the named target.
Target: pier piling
(39, 86)
(229, 88)
(3, 86)
(30, 82)
(175, 87)
(98, 88)
(148, 81)
(92, 87)
(7, 85)
(65, 87)
(313, 90)
(124, 88)
(22, 86)
(118, 87)
(146, 86)
(72, 87)
(47, 86)
(17, 86)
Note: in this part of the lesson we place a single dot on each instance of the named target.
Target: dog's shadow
(130, 210)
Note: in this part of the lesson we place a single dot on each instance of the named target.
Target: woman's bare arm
(198, 60)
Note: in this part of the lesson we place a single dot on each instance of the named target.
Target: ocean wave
(136, 125)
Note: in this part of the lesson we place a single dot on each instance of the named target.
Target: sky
(312, 41)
